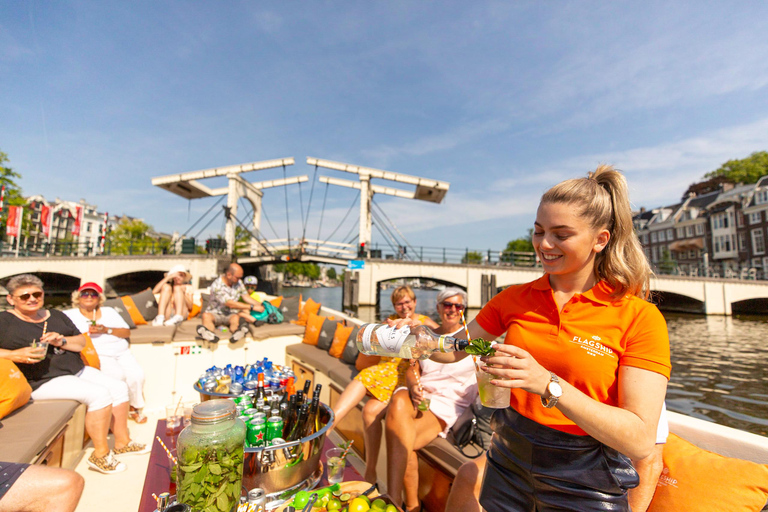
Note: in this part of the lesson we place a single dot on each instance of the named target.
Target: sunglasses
(25, 296)
(449, 305)
(89, 293)
(403, 303)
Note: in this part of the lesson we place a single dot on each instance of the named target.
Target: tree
(13, 195)
(746, 170)
(522, 244)
(331, 273)
(472, 257)
(130, 237)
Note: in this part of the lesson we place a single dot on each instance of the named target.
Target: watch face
(555, 389)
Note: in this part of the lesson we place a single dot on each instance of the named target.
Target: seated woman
(378, 377)
(109, 334)
(57, 371)
(451, 388)
(175, 300)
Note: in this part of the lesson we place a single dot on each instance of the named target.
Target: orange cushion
(340, 338)
(696, 479)
(277, 301)
(132, 310)
(89, 355)
(309, 308)
(312, 332)
(14, 388)
(195, 310)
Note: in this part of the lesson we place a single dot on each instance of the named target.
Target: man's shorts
(219, 319)
(9, 473)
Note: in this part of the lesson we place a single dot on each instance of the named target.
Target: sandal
(137, 416)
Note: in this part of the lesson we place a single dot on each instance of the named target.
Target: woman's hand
(517, 365)
(28, 355)
(417, 395)
(97, 329)
(53, 338)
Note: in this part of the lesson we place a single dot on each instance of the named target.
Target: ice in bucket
(491, 396)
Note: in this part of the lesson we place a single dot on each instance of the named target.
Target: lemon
(359, 505)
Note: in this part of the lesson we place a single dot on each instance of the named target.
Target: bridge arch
(675, 302)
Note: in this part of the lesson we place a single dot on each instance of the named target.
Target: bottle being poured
(416, 342)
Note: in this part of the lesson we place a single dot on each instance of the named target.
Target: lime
(391, 508)
(301, 499)
(333, 504)
(337, 493)
(378, 504)
(345, 496)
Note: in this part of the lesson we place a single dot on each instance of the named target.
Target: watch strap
(551, 400)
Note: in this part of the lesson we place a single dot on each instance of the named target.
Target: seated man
(25, 488)
(224, 306)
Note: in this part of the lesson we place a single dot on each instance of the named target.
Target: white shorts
(90, 386)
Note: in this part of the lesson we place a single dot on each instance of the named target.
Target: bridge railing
(65, 248)
(454, 255)
(716, 270)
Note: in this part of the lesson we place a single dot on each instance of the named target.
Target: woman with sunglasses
(450, 388)
(58, 372)
(585, 355)
(109, 333)
(378, 378)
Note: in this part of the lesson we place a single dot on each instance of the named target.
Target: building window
(716, 241)
(742, 242)
(755, 218)
(761, 196)
(699, 229)
(758, 245)
(679, 233)
(756, 262)
(670, 234)
(655, 253)
(689, 231)
(740, 219)
(662, 236)
(644, 238)
(692, 254)
(654, 238)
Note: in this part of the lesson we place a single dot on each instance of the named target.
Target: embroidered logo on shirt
(593, 346)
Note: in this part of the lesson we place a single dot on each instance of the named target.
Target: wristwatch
(109, 331)
(554, 390)
(63, 341)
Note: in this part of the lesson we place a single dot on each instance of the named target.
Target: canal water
(718, 363)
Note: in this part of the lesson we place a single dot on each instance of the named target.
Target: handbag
(472, 431)
(270, 315)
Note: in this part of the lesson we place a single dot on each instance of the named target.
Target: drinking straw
(346, 450)
(45, 328)
(156, 498)
(170, 455)
(466, 329)
(176, 411)
(418, 380)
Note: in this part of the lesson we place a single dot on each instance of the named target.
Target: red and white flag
(78, 220)
(13, 227)
(46, 216)
(2, 197)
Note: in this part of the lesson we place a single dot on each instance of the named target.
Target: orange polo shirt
(584, 344)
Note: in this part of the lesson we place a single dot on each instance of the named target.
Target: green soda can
(257, 433)
(250, 412)
(274, 427)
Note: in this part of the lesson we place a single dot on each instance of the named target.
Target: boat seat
(27, 431)
(318, 359)
(152, 333)
(265, 331)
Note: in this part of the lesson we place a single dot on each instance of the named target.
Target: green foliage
(480, 347)
(298, 268)
(746, 170)
(668, 264)
(130, 237)
(331, 273)
(522, 244)
(472, 257)
(13, 195)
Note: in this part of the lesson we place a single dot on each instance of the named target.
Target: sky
(500, 99)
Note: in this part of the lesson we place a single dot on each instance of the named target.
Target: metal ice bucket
(284, 468)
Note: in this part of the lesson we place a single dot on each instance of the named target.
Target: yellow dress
(382, 379)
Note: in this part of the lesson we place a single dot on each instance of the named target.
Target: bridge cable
(253, 235)
(382, 227)
(206, 213)
(354, 201)
(309, 205)
(287, 220)
(206, 226)
(301, 207)
(264, 213)
(396, 250)
(322, 212)
(394, 226)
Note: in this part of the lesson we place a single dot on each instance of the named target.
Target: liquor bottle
(417, 342)
(260, 388)
(311, 421)
(297, 429)
(307, 387)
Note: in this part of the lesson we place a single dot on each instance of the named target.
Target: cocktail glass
(43, 348)
(424, 404)
(491, 396)
(173, 417)
(335, 465)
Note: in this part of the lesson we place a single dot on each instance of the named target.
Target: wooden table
(158, 478)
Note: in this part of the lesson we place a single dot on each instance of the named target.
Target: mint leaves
(480, 347)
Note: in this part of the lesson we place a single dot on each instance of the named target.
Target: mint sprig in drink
(495, 397)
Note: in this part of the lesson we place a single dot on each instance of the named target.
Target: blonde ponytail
(603, 199)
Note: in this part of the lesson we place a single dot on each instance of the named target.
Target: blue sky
(501, 99)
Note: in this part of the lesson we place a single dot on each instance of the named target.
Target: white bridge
(714, 296)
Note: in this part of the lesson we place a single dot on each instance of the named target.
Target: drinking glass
(173, 419)
(491, 396)
(40, 344)
(335, 465)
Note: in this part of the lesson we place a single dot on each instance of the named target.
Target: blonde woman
(109, 334)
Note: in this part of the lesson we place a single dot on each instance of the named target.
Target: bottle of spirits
(417, 342)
